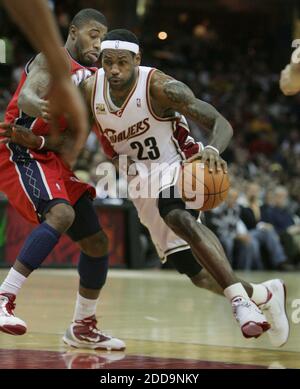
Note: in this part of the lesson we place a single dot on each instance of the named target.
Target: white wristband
(213, 148)
(43, 142)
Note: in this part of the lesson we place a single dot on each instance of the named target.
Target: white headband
(120, 45)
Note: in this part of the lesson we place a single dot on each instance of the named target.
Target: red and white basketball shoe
(85, 334)
(275, 311)
(8, 322)
(250, 318)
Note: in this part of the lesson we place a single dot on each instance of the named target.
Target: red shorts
(31, 180)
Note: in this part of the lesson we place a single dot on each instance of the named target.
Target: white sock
(260, 294)
(84, 308)
(13, 282)
(235, 290)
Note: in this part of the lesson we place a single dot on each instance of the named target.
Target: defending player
(45, 190)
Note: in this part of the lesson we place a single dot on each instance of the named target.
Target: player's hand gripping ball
(201, 189)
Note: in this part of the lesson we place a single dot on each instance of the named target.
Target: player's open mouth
(115, 80)
(93, 55)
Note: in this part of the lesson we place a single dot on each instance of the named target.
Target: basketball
(201, 189)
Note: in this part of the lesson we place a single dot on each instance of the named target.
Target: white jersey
(136, 131)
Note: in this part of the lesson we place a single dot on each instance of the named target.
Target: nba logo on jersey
(117, 44)
(2, 51)
(138, 103)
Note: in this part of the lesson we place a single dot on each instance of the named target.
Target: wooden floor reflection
(165, 321)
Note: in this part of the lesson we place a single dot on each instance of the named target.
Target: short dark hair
(121, 35)
(86, 15)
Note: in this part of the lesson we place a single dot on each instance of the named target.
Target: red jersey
(38, 126)
(32, 178)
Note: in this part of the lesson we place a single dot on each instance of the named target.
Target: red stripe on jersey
(107, 147)
(187, 145)
(105, 143)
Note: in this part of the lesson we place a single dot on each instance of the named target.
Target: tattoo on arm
(38, 78)
(172, 94)
(64, 142)
(184, 101)
(35, 87)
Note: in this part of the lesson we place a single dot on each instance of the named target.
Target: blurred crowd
(259, 224)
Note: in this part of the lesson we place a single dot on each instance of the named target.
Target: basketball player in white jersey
(136, 109)
(139, 112)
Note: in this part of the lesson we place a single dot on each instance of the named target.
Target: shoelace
(92, 324)
(90, 321)
(243, 303)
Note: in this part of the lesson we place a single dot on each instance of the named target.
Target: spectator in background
(241, 248)
(264, 233)
(286, 224)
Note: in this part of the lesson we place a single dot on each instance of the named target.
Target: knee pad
(38, 246)
(185, 263)
(92, 271)
(86, 221)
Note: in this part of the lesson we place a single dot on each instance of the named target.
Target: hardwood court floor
(165, 320)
